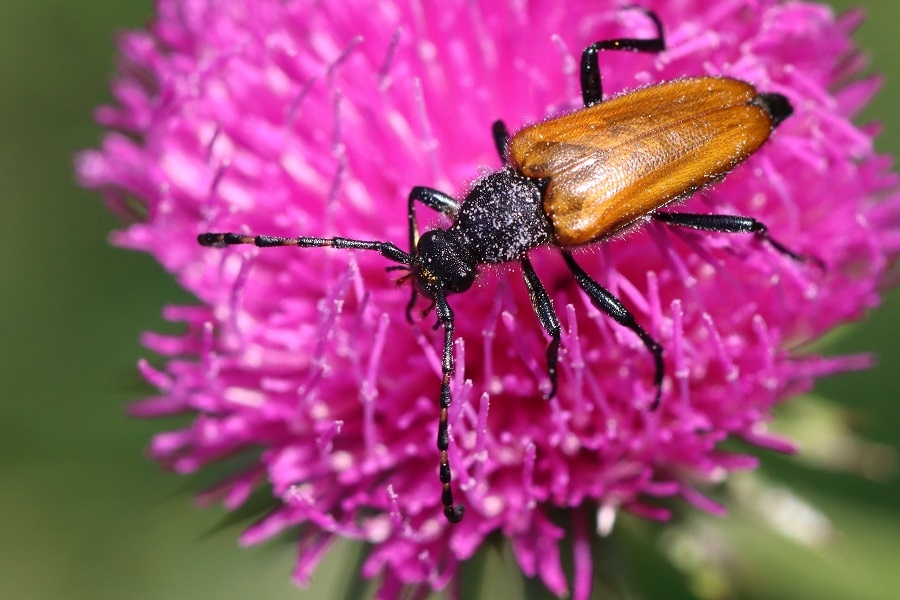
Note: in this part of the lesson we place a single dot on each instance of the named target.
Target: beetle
(569, 181)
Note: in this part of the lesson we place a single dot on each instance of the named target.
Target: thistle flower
(302, 118)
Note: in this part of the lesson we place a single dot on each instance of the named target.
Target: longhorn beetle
(574, 180)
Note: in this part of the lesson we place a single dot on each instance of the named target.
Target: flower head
(303, 118)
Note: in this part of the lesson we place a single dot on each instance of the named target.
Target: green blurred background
(84, 515)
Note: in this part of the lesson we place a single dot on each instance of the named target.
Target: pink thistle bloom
(303, 118)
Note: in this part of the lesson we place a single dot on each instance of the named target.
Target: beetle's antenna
(386, 249)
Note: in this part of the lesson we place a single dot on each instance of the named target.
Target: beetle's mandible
(574, 180)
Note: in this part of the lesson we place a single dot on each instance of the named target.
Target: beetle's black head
(778, 107)
(442, 265)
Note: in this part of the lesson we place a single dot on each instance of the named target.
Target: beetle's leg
(445, 317)
(501, 139)
(546, 314)
(591, 87)
(731, 224)
(605, 301)
(386, 249)
(435, 200)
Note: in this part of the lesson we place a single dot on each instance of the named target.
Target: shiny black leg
(591, 86)
(605, 301)
(731, 224)
(435, 200)
(501, 139)
(453, 513)
(546, 314)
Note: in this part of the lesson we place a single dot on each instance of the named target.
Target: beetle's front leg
(435, 200)
(453, 513)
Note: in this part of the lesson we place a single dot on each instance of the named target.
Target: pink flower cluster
(317, 118)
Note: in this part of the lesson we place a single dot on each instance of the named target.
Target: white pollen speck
(718, 475)
(253, 356)
(606, 518)
(492, 506)
(430, 528)
(507, 456)
(244, 396)
(319, 411)
(300, 494)
(378, 529)
(341, 461)
(571, 444)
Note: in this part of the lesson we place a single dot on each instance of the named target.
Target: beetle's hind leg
(612, 306)
(546, 314)
(591, 86)
(732, 224)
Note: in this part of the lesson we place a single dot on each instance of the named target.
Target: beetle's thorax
(502, 218)
(499, 221)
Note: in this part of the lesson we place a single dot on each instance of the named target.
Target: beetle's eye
(457, 277)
